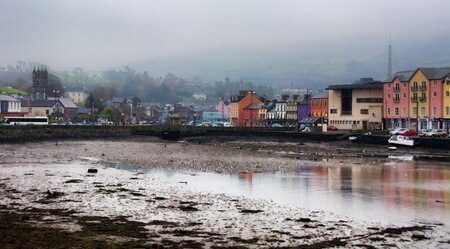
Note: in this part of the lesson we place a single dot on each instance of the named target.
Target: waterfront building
(251, 115)
(426, 101)
(291, 110)
(396, 92)
(319, 106)
(276, 113)
(9, 106)
(304, 107)
(356, 106)
(446, 102)
(237, 105)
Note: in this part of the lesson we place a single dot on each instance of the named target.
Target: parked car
(276, 125)
(397, 131)
(434, 133)
(332, 128)
(408, 132)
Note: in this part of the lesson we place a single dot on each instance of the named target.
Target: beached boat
(401, 140)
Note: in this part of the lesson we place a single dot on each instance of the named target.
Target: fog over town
(272, 42)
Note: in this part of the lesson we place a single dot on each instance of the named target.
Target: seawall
(11, 134)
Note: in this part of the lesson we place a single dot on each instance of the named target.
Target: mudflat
(51, 201)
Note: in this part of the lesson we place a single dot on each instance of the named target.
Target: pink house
(396, 100)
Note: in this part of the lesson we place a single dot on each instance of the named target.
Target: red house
(251, 115)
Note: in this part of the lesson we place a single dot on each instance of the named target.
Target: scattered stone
(419, 236)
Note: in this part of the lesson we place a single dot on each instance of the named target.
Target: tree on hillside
(21, 84)
(54, 83)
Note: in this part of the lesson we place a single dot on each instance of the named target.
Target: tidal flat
(51, 201)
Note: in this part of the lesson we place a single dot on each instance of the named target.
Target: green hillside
(10, 90)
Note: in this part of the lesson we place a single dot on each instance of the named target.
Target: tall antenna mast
(390, 58)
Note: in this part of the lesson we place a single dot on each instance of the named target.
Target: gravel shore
(46, 185)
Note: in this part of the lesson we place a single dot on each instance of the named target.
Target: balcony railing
(423, 99)
(414, 88)
(414, 99)
(423, 88)
(396, 100)
(396, 89)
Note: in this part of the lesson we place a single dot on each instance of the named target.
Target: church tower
(40, 81)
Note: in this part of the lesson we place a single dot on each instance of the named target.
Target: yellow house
(419, 85)
(446, 101)
(234, 112)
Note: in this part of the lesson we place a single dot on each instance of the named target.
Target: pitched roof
(435, 73)
(38, 103)
(254, 106)
(65, 102)
(401, 75)
(5, 97)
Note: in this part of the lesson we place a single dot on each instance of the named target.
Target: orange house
(237, 105)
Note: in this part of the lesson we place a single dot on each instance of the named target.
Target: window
(434, 93)
(346, 102)
(47, 112)
(397, 111)
(434, 110)
(404, 84)
(404, 110)
(364, 111)
(447, 110)
(389, 85)
(434, 82)
(423, 110)
(415, 110)
(389, 111)
(333, 111)
(404, 95)
(389, 96)
(447, 93)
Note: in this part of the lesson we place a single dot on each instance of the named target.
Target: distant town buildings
(77, 95)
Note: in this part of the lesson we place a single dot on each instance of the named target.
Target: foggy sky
(196, 37)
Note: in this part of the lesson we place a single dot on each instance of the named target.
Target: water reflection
(397, 192)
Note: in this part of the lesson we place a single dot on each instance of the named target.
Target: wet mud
(51, 198)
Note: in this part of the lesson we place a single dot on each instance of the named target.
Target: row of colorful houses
(418, 99)
(415, 99)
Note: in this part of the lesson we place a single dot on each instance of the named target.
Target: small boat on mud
(401, 140)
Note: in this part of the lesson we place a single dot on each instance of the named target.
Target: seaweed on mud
(162, 223)
(188, 208)
(16, 231)
(74, 181)
(250, 211)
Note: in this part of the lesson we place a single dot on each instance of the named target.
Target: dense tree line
(127, 82)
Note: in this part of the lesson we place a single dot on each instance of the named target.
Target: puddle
(393, 192)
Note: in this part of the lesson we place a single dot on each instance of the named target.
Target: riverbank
(46, 185)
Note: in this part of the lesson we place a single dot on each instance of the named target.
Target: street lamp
(56, 93)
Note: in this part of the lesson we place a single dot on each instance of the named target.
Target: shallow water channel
(396, 192)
